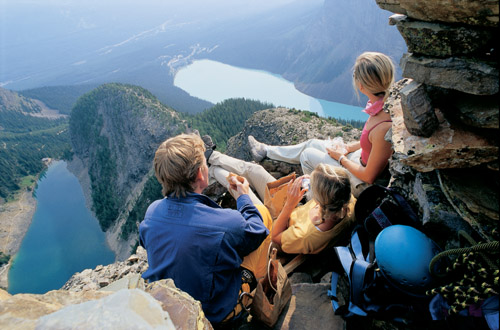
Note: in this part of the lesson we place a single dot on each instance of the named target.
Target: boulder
(440, 220)
(418, 112)
(23, 310)
(441, 40)
(480, 112)
(310, 308)
(125, 309)
(448, 147)
(473, 193)
(475, 111)
(461, 74)
(185, 311)
(477, 13)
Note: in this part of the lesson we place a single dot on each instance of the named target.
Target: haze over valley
(311, 43)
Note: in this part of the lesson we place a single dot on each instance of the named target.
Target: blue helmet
(403, 254)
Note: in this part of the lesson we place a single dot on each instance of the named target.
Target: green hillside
(225, 119)
(24, 142)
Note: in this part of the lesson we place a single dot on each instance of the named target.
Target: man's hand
(239, 188)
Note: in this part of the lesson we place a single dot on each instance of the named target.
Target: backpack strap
(404, 205)
(332, 293)
(356, 246)
(345, 257)
(382, 220)
(357, 280)
(355, 267)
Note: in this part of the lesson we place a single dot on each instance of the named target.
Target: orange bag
(276, 194)
(272, 294)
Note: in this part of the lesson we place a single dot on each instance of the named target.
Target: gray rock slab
(478, 12)
(464, 75)
(310, 308)
(443, 40)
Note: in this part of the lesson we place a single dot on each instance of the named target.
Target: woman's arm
(353, 146)
(294, 196)
(379, 156)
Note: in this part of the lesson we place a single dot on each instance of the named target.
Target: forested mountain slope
(26, 137)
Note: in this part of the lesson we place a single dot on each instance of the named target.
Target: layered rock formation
(445, 119)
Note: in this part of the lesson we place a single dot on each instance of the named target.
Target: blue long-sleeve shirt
(200, 245)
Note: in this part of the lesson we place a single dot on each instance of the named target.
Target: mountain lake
(214, 82)
(63, 238)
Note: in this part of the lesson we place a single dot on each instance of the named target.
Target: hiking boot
(209, 144)
(209, 147)
(257, 149)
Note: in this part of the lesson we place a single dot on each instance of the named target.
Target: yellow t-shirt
(302, 236)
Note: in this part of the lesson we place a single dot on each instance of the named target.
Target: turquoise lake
(63, 238)
(214, 81)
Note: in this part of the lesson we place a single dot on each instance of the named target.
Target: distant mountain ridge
(317, 50)
(62, 98)
(310, 44)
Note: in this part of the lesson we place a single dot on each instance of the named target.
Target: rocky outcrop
(157, 306)
(111, 295)
(445, 122)
(282, 126)
(108, 296)
(102, 276)
(473, 13)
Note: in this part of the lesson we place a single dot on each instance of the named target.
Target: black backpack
(370, 293)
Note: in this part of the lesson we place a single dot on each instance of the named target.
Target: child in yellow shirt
(327, 218)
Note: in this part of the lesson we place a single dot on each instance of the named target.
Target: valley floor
(15, 219)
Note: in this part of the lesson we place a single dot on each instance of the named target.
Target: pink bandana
(373, 109)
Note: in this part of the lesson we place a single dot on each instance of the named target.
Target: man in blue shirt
(191, 239)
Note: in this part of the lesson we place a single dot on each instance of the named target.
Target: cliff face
(445, 129)
(115, 130)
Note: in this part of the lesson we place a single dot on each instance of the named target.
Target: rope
(491, 246)
(472, 282)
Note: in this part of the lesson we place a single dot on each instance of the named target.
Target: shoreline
(15, 219)
(78, 169)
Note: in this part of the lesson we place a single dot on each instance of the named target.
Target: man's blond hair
(176, 163)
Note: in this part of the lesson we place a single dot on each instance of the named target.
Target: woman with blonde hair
(366, 159)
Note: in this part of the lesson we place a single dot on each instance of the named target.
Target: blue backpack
(371, 291)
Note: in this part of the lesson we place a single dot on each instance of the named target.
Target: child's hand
(295, 192)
